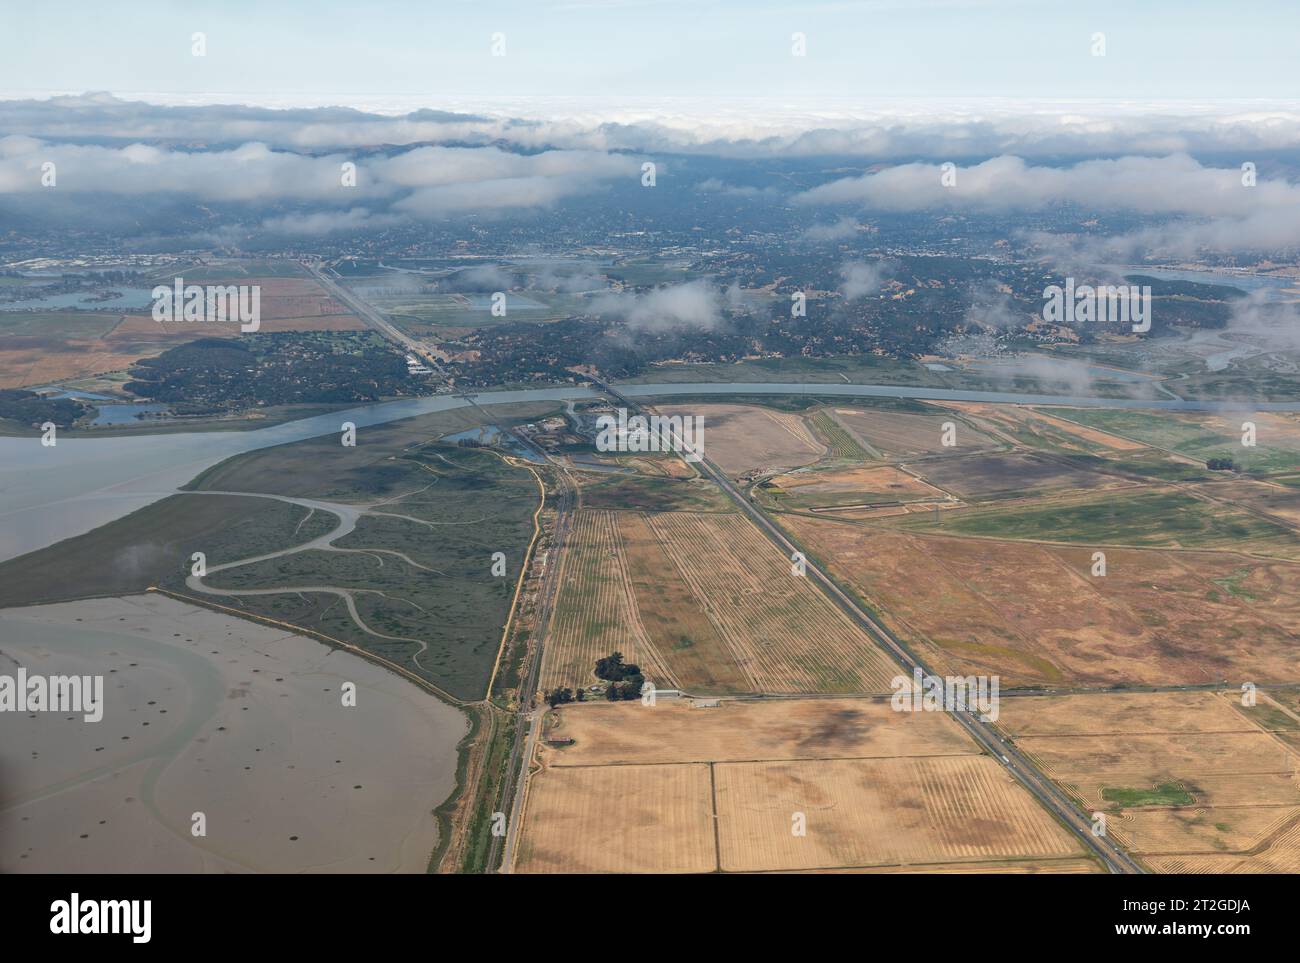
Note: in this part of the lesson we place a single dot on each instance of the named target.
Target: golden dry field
(742, 438)
(1035, 614)
(897, 434)
(868, 788)
(702, 602)
(1188, 781)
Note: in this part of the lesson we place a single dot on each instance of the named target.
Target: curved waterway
(49, 494)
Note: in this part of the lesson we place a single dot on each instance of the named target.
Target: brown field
(738, 731)
(596, 613)
(959, 808)
(1034, 614)
(1091, 435)
(287, 304)
(852, 486)
(1243, 781)
(48, 362)
(1279, 501)
(702, 602)
(785, 634)
(741, 438)
(643, 788)
(655, 466)
(904, 435)
(1032, 426)
(619, 819)
(1006, 473)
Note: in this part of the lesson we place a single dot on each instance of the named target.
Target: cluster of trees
(1221, 464)
(625, 679)
(29, 408)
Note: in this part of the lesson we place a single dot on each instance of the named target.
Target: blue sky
(1157, 49)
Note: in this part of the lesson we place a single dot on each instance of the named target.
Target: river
(49, 494)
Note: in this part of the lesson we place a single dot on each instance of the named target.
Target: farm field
(843, 444)
(41, 347)
(1151, 516)
(905, 434)
(618, 492)
(701, 601)
(1036, 615)
(839, 487)
(1201, 436)
(749, 767)
(606, 734)
(1189, 782)
(1002, 474)
(746, 438)
(1034, 428)
(1279, 501)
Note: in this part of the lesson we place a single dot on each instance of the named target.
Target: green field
(1149, 518)
(84, 325)
(642, 493)
(1166, 794)
(1186, 433)
(842, 444)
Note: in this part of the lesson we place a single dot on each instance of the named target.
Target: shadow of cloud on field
(839, 729)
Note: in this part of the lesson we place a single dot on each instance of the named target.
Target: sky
(437, 51)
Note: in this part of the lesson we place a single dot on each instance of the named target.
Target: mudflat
(207, 713)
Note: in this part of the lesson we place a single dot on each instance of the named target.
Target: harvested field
(1009, 473)
(1035, 614)
(596, 612)
(736, 731)
(850, 486)
(619, 819)
(964, 808)
(742, 438)
(843, 445)
(898, 434)
(702, 602)
(1188, 781)
(784, 633)
(647, 785)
